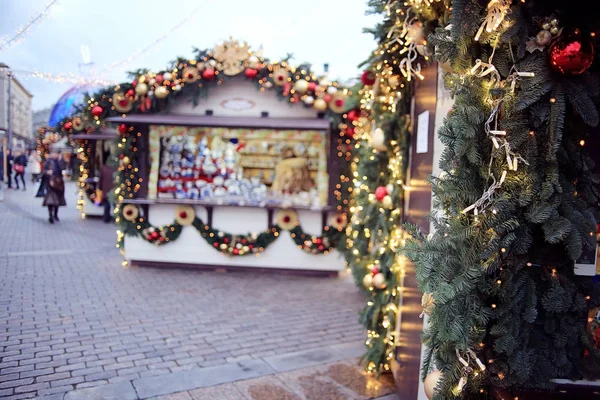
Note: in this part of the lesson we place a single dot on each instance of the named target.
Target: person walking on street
(35, 166)
(52, 187)
(19, 164)
(106, 185)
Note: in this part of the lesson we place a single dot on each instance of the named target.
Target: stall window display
(239, 166)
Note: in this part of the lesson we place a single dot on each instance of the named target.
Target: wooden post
(406, 367)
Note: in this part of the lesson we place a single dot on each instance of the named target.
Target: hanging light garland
(20, 34)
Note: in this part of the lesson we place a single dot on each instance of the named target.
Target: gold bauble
(387, 202)
(367, 280)
(223, 246)
(431, 382)
(301, 86)
(161, 92)
(320, 105)
(141, 89)
(378, 140)
(379, 281)
(126, 160)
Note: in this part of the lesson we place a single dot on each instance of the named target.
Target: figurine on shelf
(292, 174)
(205, 192)
(209, 167)
(179, 192)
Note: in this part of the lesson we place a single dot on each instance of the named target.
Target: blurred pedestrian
(106, 185)
(19, 164)
(35, 165)
(52, 187)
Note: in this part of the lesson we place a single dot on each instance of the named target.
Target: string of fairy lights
(99, 79)
(21, 33)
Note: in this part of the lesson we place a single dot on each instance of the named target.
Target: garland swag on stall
(226, 243)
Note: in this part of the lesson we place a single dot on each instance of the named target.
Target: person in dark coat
(19, 164)
(106, 185)
(52, 187)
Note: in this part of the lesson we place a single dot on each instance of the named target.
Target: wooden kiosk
(229, 160)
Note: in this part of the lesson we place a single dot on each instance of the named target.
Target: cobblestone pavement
(71, 317)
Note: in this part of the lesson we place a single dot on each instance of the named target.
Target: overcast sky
(315, 31)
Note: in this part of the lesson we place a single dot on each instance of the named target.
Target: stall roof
(94, 136)
(224, 122)
(103, 134)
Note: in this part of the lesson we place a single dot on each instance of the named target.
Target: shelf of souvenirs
(269, 204)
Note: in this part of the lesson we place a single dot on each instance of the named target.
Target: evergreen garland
(508, 311)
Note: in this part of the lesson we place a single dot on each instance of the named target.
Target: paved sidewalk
(72, 318)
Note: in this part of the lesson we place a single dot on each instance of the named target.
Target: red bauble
(97, 111)
(339, 103)
(122, 129)
(154, 235)
(208, 74)
(183, 215)
(123, 103)
(286, 219)
(312, 86)
(236, 252)
(327, 98)
(226, 240)
(134, 83)
(68, 125)
(244, 241)
(158, 79)
(380, 193)
(319, 241)
(321, 248)
(215, 244)
(130, 93)
(251, 73)
(367, 78)
(572, 54)
(353, 115)
(349, 131)
(374, 271)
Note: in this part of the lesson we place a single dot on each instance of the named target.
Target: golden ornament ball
(379, 281)
(301, 86)
(161, 92)
(126, 160)
(387, 202)
(141, 89)
(431, 382)
(320, 105)
(223, 246)
(367, 280)
(378, 140)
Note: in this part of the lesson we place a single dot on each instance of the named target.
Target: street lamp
(6, 70)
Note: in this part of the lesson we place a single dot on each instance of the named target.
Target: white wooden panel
(242, 89)
(191, 248)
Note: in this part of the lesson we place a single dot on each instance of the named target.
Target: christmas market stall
(227, 157)
(93, 151)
